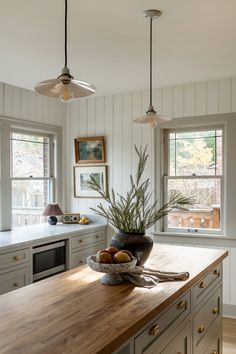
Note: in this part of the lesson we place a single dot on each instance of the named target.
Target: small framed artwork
(90, 150)
(82, 176)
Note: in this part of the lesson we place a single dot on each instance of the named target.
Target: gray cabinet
(192, 325)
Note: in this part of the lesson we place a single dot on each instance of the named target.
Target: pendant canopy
(152, 118)
(64, 86)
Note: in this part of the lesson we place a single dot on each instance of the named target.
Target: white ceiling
(108, 42)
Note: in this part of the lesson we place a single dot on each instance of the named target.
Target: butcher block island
(74, 313)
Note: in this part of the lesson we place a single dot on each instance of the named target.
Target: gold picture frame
(90, 150)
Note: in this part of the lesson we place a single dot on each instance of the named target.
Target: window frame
(166, 177)
(7, 126)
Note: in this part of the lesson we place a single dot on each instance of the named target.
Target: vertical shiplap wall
(16, 102)
(112, 117)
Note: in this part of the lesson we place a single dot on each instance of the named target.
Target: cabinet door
(14, 280)
(79, 258)
(181, 344)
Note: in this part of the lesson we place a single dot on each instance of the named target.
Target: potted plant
(134, 213)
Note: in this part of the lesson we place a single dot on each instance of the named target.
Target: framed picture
(82, 176)
(90, 150)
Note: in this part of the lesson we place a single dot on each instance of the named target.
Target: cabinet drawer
(203, 287)
(14, 280)
(174, 315)
(181, 344)
(14, 258)
(205, 318)
(79, 258)
(214, 347)
(83, 240)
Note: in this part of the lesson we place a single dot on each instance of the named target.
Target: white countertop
(44, 232)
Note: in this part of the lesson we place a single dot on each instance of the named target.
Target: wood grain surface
(74, 313)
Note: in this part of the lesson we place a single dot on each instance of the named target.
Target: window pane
(29, 199)
(195, 153)
(30, 155)
(205, 213)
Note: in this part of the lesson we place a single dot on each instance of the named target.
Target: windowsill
(192, 235)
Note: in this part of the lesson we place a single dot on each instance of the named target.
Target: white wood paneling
(178, 101)
(213, 97)
(167, 101)
(189, 100)
(201, 98)
(225, 97)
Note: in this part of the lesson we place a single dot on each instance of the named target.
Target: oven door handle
(49, 247)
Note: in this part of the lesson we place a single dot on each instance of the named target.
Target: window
(195, 168)
(31, 172)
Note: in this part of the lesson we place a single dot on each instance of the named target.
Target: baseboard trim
(229, 311)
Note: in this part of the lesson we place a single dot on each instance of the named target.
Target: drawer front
(79, 258)
(204, 286)
(181, 344)
(214, 347)
(14, 258)
(14, 280)
(174, 315)
(84, 240)
(205, 317)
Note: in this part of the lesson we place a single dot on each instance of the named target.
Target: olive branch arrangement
(135, 213)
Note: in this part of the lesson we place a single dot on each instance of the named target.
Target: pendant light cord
(65, 33)
(151, 61)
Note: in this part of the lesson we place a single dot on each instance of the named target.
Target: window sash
(193, 230)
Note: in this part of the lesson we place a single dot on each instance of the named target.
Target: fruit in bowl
(84, 220)
(113, 255)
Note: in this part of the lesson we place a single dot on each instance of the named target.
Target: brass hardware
(97, 236)
(182, 305)
(214, 352)
(215, 310)
(201, 329)
(16, 284)
(16, 258)
(81, 241)
(154, 330)
(217, 272)
(202, 285)
(180, 352)
(80, 262)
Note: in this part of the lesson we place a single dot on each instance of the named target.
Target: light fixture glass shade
(52, 210)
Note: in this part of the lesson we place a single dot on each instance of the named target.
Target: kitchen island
(74, 313)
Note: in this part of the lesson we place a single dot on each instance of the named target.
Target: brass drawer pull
(182, 305)
(217, 272)
(215, 310)
(81, 262)
(214, 352)
(201, 329)
(81, 241)
(16, 284)
(97, 236)
(16, 258)
(202, 285)
(154, 330)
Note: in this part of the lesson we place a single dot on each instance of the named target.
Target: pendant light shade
(152, 118)
(64, 86)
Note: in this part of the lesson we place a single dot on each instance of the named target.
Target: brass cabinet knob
(16, 258)
(201, 329)
(81, 262)
(202, 285)
(215, 310)
(154, 330)
(214, 352)
(182, 305)
(16, 284)
(97, 236)
(217, 272)
(81, 241)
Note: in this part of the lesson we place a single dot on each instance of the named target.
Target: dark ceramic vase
(139, 244)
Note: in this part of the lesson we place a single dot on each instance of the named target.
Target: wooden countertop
(74, 313)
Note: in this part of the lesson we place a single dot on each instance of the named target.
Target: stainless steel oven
(49, 259)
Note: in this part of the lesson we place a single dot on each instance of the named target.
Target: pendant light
(65, 87)
(151, 117)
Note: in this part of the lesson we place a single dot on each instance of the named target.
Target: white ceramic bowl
(110, 268)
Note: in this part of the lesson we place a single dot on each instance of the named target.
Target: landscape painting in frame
(90, 150)
(82, 176)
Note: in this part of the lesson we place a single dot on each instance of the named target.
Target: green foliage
(135, 213)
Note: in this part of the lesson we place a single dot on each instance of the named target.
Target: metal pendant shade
(64, 86)
(152, 118)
